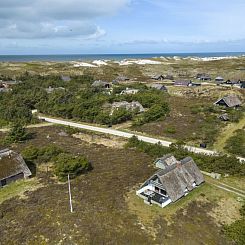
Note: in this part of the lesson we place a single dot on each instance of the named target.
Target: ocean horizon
(90, 57)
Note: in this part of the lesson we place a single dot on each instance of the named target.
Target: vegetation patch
(236, 143)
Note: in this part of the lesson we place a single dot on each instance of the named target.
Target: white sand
(83, 64)
(138, 62)
(212, 58)
(99, 62)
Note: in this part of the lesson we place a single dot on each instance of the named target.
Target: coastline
(117, 58)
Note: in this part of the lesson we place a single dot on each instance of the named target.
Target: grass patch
(18, 188)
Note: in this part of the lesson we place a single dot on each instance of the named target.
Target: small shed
(224, 117)
(229, 101)
(12, 167)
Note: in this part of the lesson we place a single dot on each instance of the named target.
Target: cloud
(30, 19)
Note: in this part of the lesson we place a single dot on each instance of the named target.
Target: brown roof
(12, 163)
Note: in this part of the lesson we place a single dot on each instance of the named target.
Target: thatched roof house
(182, 83)
(129, 91)
(203, 77)
(132, 106)
(65, 78)
(12, 167)
(158, 86)
(175, 180)
(229, 101)
(219, 79)
(161, 77)
(158, 77)
(122, 78)
(100, 84)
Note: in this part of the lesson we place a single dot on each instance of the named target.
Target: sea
(90, 57)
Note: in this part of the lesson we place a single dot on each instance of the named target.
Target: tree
(17, 134)
(68, 164)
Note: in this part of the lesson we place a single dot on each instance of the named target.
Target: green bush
(68, 164)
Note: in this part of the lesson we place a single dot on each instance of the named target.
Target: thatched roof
(229, 101)
(11, 164)
(134, 105)
(219, 79)
(179, 176)
(157, 77)
(182, 83)
(158, 86)
(166, 161)
(122, 78)
(100, 83)
(65, 78)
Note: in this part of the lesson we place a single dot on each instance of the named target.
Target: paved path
(126, 135)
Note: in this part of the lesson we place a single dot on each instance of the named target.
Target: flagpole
(69, 188)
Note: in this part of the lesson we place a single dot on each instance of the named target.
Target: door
(3, 182)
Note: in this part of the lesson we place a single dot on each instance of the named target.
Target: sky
(121, 26)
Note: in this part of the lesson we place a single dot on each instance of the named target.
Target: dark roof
(182, 82)
(12, 163)
(229, 100)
